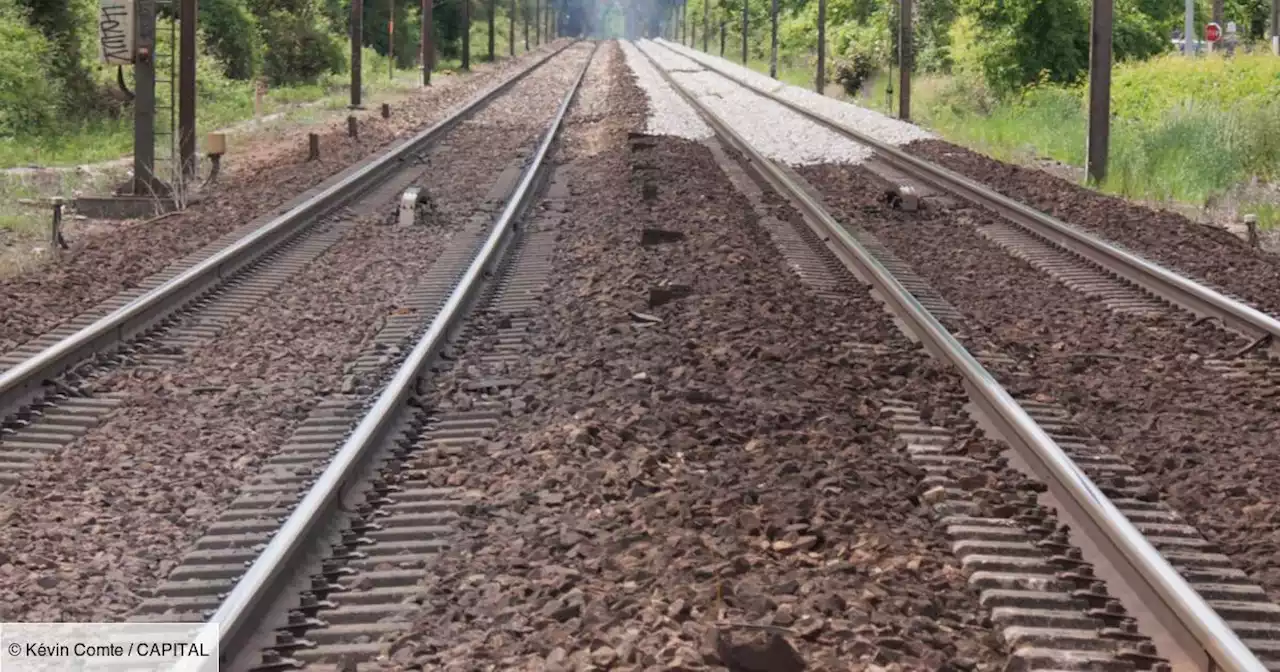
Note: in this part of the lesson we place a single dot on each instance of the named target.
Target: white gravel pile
(668, 114)
(885, 129)
(779, 133)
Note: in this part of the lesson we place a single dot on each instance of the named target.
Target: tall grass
(1188, 130)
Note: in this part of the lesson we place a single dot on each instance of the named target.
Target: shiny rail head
(19, 383)
(261, 583)
(1221, 643)
(1179, 289)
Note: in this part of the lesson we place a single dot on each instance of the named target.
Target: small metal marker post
(56, 243)
(1251, 225)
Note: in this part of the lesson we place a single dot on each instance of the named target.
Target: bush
(231, 32)
(29, 95)
(852, 72)
(299, 49)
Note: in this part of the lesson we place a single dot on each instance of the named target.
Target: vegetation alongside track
(1007, 79)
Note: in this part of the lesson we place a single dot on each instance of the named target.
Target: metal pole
(466, 34)
(1100, 37)
(706, 24)
(187, 90)
(1189, 29)
(745, 6)
(820, 79)
(357, 40)
(493, 17)
(1275, 27)
(904, 61)
(773, 42)
(511, 33)
(144, 110)
(428, 43)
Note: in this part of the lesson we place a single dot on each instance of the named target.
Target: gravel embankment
(1204, 252)
(779, 133)
(258, 180)
(85, 533)
(1207, 443)
(669, 114)
(870, 122)
(727, 465)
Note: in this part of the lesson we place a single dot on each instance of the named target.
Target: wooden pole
(745, 7)
(1099, 89)
(428, 43)
(524, 14)
(537, 22)
(904, 61)
(820, 79)
(391, 40)
(357, 43)
(511, 33)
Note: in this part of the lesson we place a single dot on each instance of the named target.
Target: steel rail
(1179, 290)
(1073, 488)
(20, 382)
(260, 585)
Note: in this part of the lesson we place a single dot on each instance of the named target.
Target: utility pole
(188, 14)
(744, 31)
(1189, 29)
(144, 117)
(820, 80)
(1099, 138)
(773, 42)
(904, 61)
(428, 43)
(1275, 27)
(511, 39)
(493, 17)
(466, 34)
(706, 25)
(357, 42)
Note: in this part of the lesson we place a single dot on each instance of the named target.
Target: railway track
(504, 486)
(1206, 610)
(358, 527)
(46, 385)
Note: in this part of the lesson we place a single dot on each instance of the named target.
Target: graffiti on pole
(115, 31)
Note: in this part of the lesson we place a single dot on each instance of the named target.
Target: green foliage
(29, 97)
(299, 49)
(232, 34)
(1018, 40)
